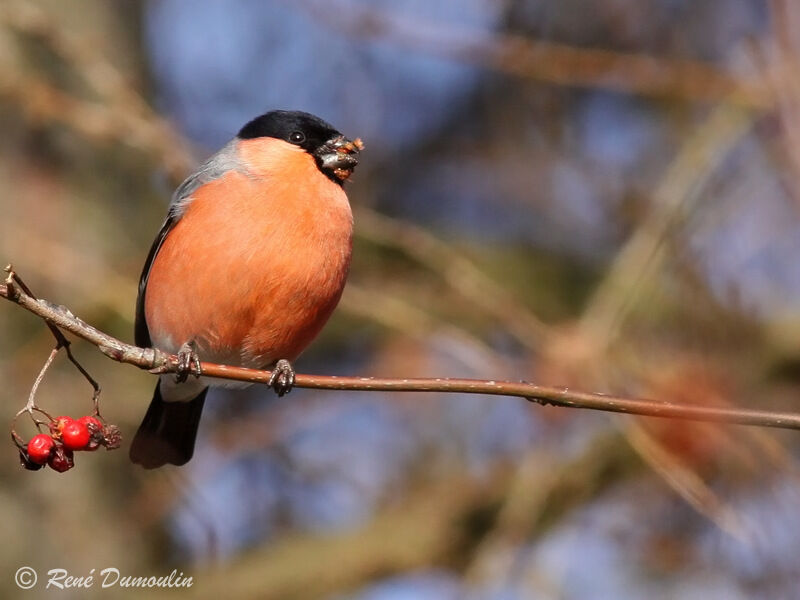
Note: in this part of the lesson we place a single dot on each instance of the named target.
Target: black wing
(141, 332)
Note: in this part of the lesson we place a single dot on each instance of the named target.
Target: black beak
(338, 157)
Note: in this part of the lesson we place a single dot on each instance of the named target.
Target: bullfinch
(247, 268)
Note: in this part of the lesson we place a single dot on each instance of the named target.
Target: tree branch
(544, 60)
(159, 362)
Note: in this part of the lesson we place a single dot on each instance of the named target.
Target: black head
(336, 156)
(298, 128)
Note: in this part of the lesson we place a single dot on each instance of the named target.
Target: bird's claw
(282, 378)
(188, 362)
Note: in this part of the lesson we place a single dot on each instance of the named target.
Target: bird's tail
(167, 432)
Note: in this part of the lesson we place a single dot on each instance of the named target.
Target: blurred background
(602, 195)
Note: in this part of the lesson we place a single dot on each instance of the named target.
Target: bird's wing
(141, 332)
(215, 167)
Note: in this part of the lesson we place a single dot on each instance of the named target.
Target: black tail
(167, 432)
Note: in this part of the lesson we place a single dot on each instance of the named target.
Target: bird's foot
(188, 362)
(282, 378)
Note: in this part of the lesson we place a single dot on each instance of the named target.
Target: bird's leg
(188, 362)
(282, 378)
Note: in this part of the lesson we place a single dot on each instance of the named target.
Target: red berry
(61, 459)
(39, 448)
(57, 426)
(63, 420)
(91, 419)
(96, 430)
(75, 435)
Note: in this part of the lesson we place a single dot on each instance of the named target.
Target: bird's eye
(297, 137)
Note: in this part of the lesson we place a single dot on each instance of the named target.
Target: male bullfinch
(247, 268)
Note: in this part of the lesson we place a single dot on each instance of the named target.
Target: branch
(160, 362)
(543, 60)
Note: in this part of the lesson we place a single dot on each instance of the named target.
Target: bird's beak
(339, 156)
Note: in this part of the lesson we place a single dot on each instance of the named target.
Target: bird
(247, 268)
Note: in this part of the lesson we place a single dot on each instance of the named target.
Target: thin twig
(159, 362)
(61, 339)
(31, 405)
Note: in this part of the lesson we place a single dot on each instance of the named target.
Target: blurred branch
(41, 102)
(784, 79)
(457, 270)
(159, 362)
(545, 487)
(78, 51)
(630, 282)
(546, 61)
(687, 482)
(673, 200)
(394, 312)
(437, 524)
(121, 114)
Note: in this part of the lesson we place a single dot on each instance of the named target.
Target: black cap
(300, 128)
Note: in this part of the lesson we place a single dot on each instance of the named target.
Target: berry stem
(61, 340)
(31, 405)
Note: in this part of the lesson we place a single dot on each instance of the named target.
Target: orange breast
(257, 263)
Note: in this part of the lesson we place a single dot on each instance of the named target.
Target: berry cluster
(66, 436)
